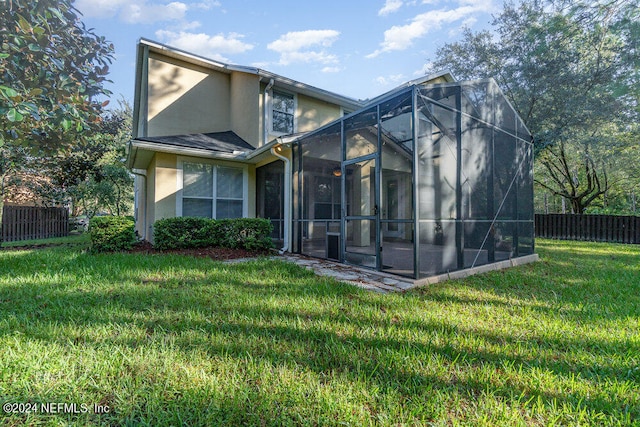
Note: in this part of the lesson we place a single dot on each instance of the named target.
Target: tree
(52, 70)
(110, 188)
(92, 177)
(570, 69)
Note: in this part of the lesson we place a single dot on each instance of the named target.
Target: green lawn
(71, 240)
(172, 340)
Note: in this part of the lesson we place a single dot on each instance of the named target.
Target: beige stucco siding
(312, 113)
(140, 189)
(150, 203)
(166, 185)
(245, 107)
(185, 98)
(440, 79)
(251, 201)
(164, 172)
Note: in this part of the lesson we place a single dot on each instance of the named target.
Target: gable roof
(279, 81)
(228, 144)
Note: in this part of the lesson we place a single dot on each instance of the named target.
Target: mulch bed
(213, 253)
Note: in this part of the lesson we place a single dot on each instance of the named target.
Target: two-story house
(400, 183)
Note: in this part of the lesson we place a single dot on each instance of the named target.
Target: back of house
(431, 177)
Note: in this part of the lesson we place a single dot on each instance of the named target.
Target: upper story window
(282, 110)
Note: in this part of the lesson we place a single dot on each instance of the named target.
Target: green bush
(111, 233)
(186, 232)
(246, 233)
(181, 233)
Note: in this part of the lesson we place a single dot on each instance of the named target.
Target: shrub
(185, 232)
(246, 233)
(111, 233)
(181, 233)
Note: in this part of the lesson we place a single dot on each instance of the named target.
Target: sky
(356, 48)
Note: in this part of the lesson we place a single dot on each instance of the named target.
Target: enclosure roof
(444, 75)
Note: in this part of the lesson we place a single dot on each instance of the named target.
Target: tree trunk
(546, 204)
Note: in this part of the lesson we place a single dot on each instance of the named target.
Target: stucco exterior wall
(312, 113)
(150, 202)
(245, 107)
(166, 185)
(185, 98)
(163, 185)
(251, 202)
(140, 197)
(440, 79)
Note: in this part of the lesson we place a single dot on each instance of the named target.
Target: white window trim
(295, 110)
(180, 182)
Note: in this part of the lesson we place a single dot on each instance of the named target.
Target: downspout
(265, 112)
(287, 196)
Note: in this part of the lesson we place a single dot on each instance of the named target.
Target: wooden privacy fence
(599, 228)
(31, 222)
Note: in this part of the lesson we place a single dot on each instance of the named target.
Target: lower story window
(212, 191)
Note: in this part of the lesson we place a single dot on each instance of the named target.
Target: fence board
(32, 222)
(599, 228)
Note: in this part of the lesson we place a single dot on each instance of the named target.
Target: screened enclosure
(431, 179)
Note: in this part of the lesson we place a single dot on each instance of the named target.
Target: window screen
(202, 199)
(229, 193)
(282, 112)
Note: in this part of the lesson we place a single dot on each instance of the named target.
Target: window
(212, 191)
(282, 113)
(229, 193)
(327, 198)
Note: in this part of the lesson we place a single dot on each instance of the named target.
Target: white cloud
(297, 46)
(422, 71)
(296, 40)
(149, 13)
(142, 11)
(100, 8)
(428, 69)
(206, 4)
(392, 79)
(401, 37)
(185, 26)
(287, 58)
(203, 44)
(470, 21)
(331, 69)
(390, 6)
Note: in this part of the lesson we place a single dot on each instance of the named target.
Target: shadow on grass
(580, 280)
(282, 315)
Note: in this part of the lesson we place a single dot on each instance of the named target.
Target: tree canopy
(570, 69)
(52, 71)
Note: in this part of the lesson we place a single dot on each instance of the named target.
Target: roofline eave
(281, 81)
